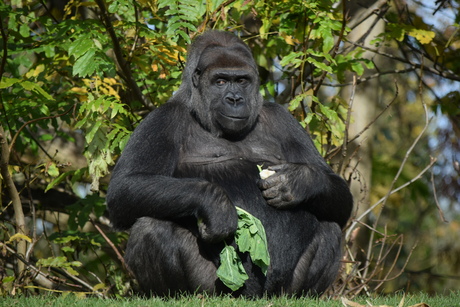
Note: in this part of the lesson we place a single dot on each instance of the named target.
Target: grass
(452, 300)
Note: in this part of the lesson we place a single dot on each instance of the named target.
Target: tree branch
(13, 141)
(445, 73)
(123, 64)
(376, 7)
(14, 195)
(4, 162)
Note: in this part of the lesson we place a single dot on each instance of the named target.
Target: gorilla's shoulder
(171, 108)
(170, 111)
(271, 106)
(272, 110)
(170, 116)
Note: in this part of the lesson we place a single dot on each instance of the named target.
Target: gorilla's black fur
(196, 158)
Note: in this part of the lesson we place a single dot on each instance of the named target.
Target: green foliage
(79, 213)
(398, 32)
(182, 16)
(60, 262)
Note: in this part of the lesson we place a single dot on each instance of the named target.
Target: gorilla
(196, 157)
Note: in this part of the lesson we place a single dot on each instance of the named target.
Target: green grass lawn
(200, 301)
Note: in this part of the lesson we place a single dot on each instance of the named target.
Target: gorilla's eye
(221, 82)
(242, 81)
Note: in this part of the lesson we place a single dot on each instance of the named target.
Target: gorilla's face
(228, 87)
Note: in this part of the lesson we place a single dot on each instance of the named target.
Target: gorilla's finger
(278, 167)
(271, 193)
(272, 181)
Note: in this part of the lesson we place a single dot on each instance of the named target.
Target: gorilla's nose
(234, 100)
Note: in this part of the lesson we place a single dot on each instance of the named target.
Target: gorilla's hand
(217, 217)
(287, 187)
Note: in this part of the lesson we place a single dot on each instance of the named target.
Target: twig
(48, 11)
(114, 248)
(403, 163)
(441, 213)
(378, 115)
(356, 220)
(136, 36)
(377, 6)
(334, 151)
(409, 151)
(373, 229)
(47, 276)
(445, 73)
(369, 77)
(13, 141)
(347, 124)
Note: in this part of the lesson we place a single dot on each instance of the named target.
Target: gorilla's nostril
(234, 100)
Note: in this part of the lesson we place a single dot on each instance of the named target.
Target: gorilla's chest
(208, 150)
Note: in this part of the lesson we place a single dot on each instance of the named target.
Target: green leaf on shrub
(60, 262)
(86, 64)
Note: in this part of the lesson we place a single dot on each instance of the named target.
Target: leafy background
(376, 83)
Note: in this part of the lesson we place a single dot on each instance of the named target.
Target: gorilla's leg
(166, 259)
(318, 266)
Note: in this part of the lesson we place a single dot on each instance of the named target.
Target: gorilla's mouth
(233, 117)
(231, 124)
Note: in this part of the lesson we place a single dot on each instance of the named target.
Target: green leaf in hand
(250, 237)
(231, 271)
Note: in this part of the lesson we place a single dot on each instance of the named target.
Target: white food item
(264, 174)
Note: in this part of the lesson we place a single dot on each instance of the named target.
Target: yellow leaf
(99, 286)
(19, 236)
(423, 36)
(348, 268)
(35, 72)
(289, 39)
(79, 90)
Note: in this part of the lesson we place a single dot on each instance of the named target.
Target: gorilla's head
(221, 84)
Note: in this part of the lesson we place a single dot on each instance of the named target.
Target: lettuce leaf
(249, 237)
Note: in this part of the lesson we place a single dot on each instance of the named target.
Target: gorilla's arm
(305, 179)
(142, 182)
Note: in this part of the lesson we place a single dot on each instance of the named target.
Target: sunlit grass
(397, 300)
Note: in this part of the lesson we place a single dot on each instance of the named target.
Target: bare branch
(391, 191)
(441, 213)
(378, 116)
(370, 77)
(45, 279)
(114, 248)
(347, 124)
(373, 9)
(419, 175)
(443, 72)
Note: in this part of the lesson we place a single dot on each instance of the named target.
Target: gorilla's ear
(196, 77)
